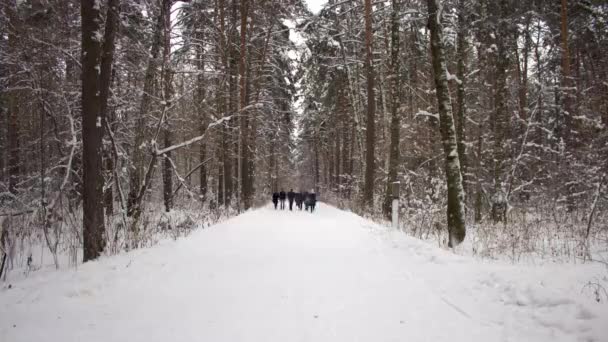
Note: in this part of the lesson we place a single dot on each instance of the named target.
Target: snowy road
(291, 276)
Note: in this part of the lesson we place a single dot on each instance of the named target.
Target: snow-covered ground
(294, 276)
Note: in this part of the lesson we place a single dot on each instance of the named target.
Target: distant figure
(305, 200)
(282, 199)
(299, 200)
(290, 197)
(275, 199)
(312, 201)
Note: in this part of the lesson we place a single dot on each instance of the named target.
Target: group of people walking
(308, 199)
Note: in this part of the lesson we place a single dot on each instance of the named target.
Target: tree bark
(566, 74)
(167, 96)
(224, 110)
(370, 133)
(105, 80)
(455, 207)
(246, 186)
(501, 116)
(394, 107)
(202, 115)
(137, 170)
(567, 97)
(461, 92)
(92, 131)
(14, 162)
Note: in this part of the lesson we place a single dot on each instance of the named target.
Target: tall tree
(246, 184)
(455, 207)
(105, 80)
(370, 132)
(167, 101)
(138, 173)
(92, 130)
(500, 122)
(461, 107)
(13, 105)
(395, 85)
(201, 102)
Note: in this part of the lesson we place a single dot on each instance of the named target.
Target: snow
(452, 77)
(315, 6)
(425, 113)
(272, 275)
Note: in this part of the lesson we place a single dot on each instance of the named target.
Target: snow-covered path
(293, 276)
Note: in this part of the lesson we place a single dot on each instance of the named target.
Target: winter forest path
(285, 276)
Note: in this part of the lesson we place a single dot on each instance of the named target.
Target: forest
(122, 121)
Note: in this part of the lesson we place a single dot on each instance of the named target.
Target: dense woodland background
(123, 119)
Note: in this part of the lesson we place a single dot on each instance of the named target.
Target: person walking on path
(282, 199)
(311, 201)
(290, 197)
(299, 200)
(275, 199)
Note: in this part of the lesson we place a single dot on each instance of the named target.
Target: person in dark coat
(312, 201)
(282, 197)
(290, 197)
(299, 200)
(275, 199)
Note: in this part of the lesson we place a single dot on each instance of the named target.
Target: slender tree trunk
(567, 96)
(233, 104)
(226, 174)
(137, 171)
(316, 165)
(202, 115)
(105, 81)
(522, 74)
(479, 189)
(13, 105)
(92, 132)
(566, 74)
(370, 133)
(246, 186)
(455, 208)
(395, 115)
(501, 118)
(461, 92)
(168, 94)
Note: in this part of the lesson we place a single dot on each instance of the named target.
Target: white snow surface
(283, 276)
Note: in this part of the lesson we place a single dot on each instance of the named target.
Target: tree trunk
(137, 170)
(226, 174)
(13, 105)
(461, 92)
(501, 118)
(202, 116)
(168, 94)
(105, 81)
(566, 75)
(394, 107)
(246, 186)
(92, 131)
(567, 100)
(370, 133)
(233, 103)
(455, 208)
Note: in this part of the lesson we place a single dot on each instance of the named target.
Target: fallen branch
(19, 213)
(193, 140)
(181, 180)
(190, 173)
